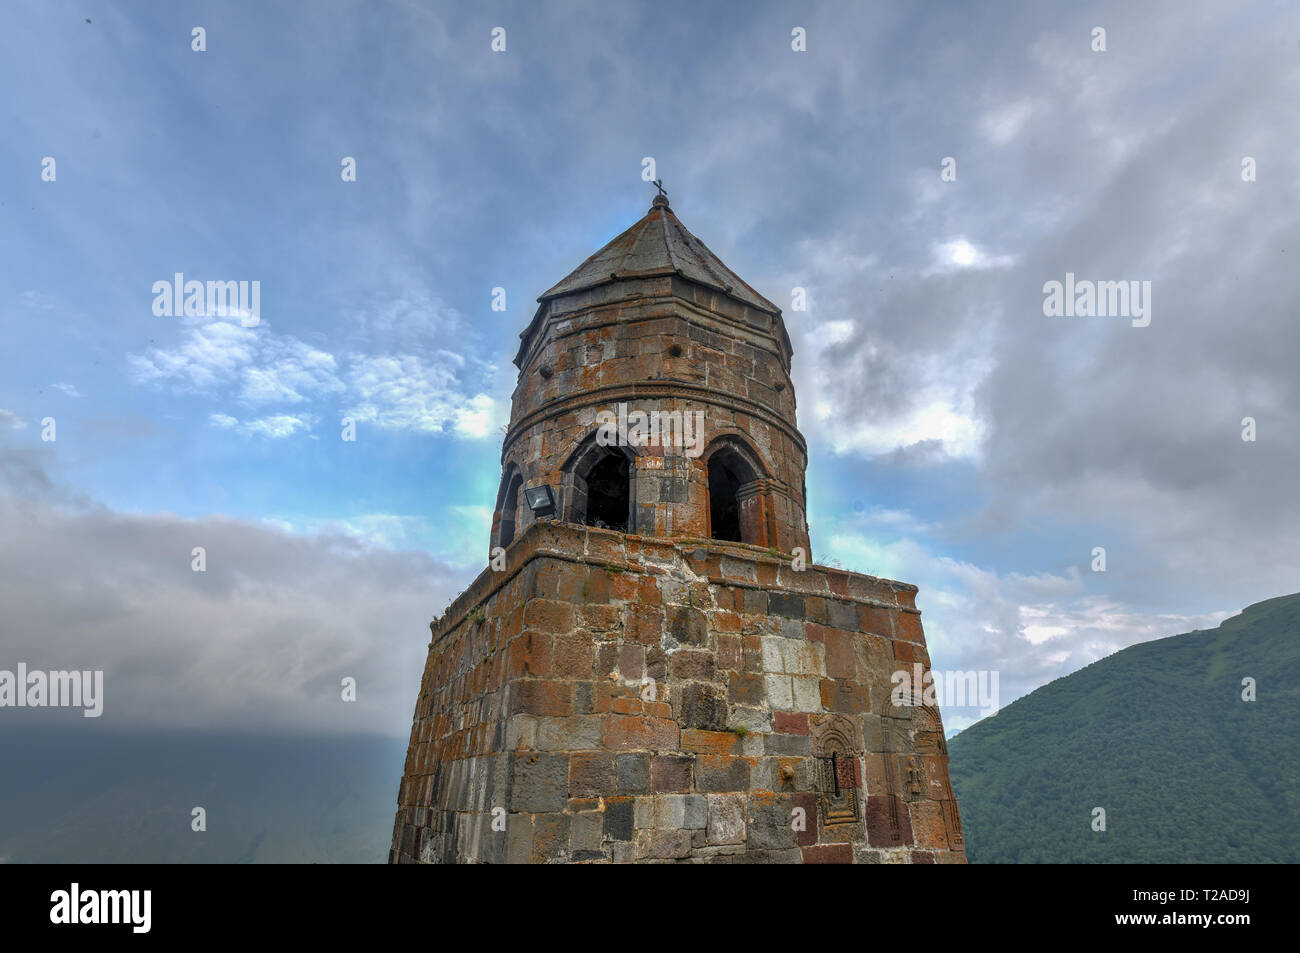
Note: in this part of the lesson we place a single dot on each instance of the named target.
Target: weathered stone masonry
(628, 698)
(658, 694)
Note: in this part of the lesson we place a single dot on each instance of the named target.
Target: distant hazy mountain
(1159, 736)
(91, 796)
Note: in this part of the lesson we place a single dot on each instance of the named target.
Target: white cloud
(960, 253)
(1031, 629)
(457, 536)
(275, 427)
(259, 367)
(404, 392)
(37, 300)
(212, 353)
(1004, 123)
(938, 416)
(478, 416)
(837, 332)
(290, 372)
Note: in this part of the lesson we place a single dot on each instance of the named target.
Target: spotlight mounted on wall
(541, 500)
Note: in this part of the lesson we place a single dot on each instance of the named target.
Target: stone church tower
(651, 668)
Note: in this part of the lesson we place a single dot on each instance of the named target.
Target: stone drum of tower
(654, 398)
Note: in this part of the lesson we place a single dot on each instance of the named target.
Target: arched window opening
(724, 500)
(608, 503)
(509, 507)
(737, 505)
(599, 486)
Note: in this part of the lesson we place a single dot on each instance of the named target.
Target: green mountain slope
(1156, 734)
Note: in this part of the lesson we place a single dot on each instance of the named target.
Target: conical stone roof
(659, 244)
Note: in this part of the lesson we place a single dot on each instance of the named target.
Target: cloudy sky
(960, 439)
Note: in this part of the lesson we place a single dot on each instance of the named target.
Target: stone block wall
(619, 698)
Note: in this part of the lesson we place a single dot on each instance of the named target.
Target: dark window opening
(724, 503)
(508, 510)
(607, 493)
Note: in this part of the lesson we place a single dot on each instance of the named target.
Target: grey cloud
(1124, 165)
(260, 641)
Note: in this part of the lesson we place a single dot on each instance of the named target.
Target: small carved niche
(839, 776)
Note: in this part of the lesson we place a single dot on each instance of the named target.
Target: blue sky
(959, 439)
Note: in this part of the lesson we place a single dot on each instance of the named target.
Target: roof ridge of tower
(668, 245)
(689, 238)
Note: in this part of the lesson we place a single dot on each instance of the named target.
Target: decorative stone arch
(598, 485)
(739, 490)
(506, 513)
(928, 731)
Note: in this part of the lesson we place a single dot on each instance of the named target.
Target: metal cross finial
(659, 184)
